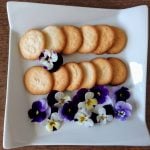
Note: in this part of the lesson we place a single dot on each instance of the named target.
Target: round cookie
(103, 71)
(76, 75)
(120, 41)
(74, 39)
(120, 71)
(89, 73)
(61, 79)
(32, 44)
(90, 39)
(106, 38)
(55, 38)
(38, 81)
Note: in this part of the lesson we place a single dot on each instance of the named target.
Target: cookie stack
(68, 39)
(98, 39)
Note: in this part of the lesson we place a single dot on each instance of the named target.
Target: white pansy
(48, 59)
(89, 95)
(102, 117)
(83, 118)
(61, 99)
(54, 123)
(53, 56)
(89, 103)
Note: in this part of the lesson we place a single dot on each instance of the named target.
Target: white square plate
(18, 131)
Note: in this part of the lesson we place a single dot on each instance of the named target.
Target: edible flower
(39, 111)
(68, 111)
(122, 110)
(50, 60)
(54, 123)
(82, 117)
(122, 94)
(61, 99)
(80, 96)
(102, 117)
(89, 103)
(100, 93)
(51, 100)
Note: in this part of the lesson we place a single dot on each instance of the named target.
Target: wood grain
(4, 33)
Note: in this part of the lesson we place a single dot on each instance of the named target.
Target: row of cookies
(69, 39)
(72, 76)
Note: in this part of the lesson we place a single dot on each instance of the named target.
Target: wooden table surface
(4, 29)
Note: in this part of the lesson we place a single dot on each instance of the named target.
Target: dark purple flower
(122, 110)
(80, 96)
(109, 109)
(68, 111)
(54, 109)
(58, 63)
(100, 93)
(51, 98)
(122, 94)
(94, 117)
(39, 111)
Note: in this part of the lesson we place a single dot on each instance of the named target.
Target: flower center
(98, 93)
(52, 123)
(37, 112)
(103, 117)
(121, 95)
(89, 102)
(69, 110)
(62, 101)
(121, 113)
(82, 118)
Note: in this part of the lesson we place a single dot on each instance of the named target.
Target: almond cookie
(61, 79)
(89, 73)
(120, 41)
(38, 81)
(90, 39)
(32, 44)
(76, 75)
(120, 71)
(103, 71)
(74, 39)
(106, 38)
(55, 38)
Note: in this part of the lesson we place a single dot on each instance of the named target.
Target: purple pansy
(122, 94)
(39, 111)
(122, 110)
(80, 96)
(68, 111)
(51, 101)
(100, 93)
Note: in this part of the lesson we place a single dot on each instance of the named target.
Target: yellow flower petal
(90, 103)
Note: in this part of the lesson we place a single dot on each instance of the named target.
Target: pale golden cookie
(120, 71)
(103, 71)
(89, 75)
(90, 39)
(55, 38)
(32, 44)
(106, 38)
(61, 79)
(38, 81)
(76, 75)
(74, 39)
(120, 41)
